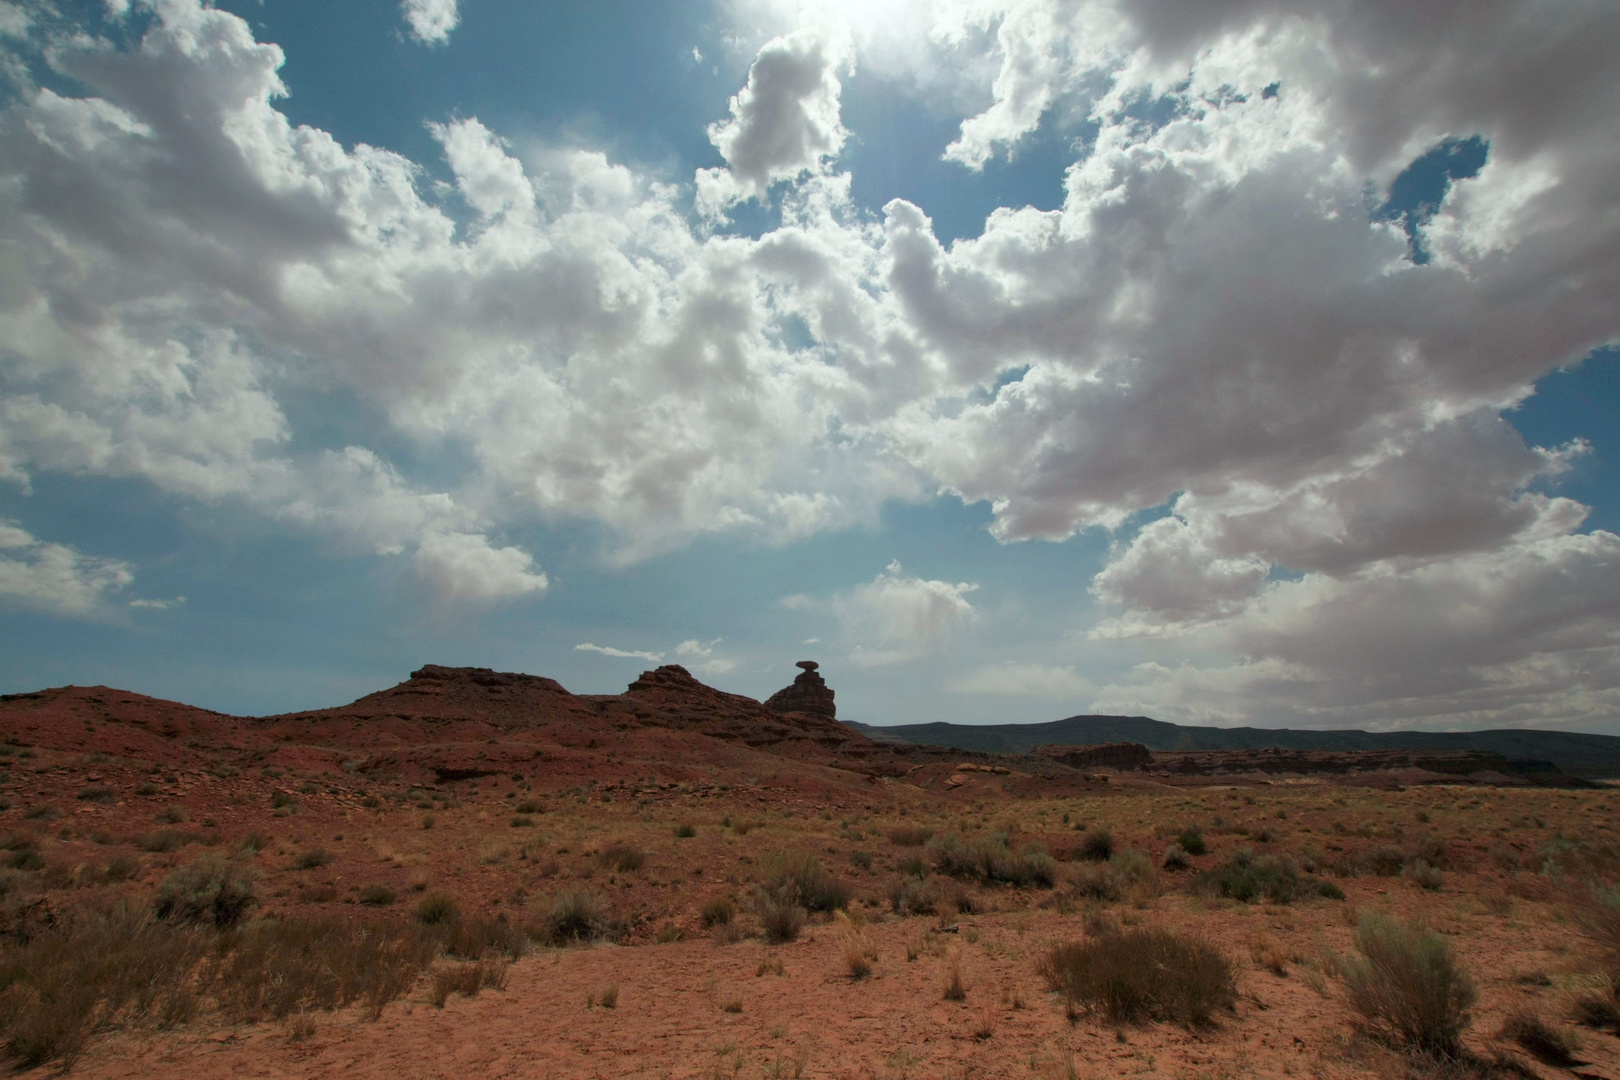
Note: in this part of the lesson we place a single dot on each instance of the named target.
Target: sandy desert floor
(720, 1002)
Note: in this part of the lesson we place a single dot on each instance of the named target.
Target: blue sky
(1011, 359)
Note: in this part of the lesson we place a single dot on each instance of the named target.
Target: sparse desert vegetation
(836, 925)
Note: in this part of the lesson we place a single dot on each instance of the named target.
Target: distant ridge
(1576, 753)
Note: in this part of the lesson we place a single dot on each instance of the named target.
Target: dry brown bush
(1142, 974)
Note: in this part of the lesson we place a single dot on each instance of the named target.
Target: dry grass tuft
(955, 980)
(780, 918)
(576, 915)
(1268, 953)
(857, 948)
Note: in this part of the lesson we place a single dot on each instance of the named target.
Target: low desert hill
(1572, 752)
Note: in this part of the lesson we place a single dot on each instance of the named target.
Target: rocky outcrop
(809, 693)
(1115, 755)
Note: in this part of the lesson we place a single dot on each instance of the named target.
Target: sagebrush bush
(910, 835)
(991, 859)
(1423, 875)
(1175, 858)
(1407, 984)
(376, 896)
(1192, 842)
(1247, 877)
(210, 889)
(1142, 975)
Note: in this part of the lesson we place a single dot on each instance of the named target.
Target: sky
(1248, 363)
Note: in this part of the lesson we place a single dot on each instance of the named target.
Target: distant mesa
(809, 693)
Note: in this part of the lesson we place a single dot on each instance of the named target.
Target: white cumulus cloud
(431, 20)
(55, 578)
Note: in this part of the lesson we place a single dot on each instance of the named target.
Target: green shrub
(376, 896)
(97, 794)
(210, 889)
(1191, 840)
(1175, 858)
(1406, 983)
(1424, 876)
(910, 836)
(990, 859)
(685, 830)
(1142, 975)
(1247, 877)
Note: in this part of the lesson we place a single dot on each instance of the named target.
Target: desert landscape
(480, 874)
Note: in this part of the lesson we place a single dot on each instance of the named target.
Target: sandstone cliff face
(808, 693)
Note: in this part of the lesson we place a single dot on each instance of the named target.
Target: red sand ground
(469, 749)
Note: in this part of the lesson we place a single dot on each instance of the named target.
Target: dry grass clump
(467, 979)
(1547, 1044)
(991, 859)
(1268, 953)
(955, 979)
(377, 896)
(798, 876)
(910, 836)
(121, 968)
(719, 911)
(622, 857)
(274, 968)
(210, 889)
(437, 909)
(1407, 984)
(780, 917)
(576, 915)
(91, 971)
(1141, 975)
(857, 948)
